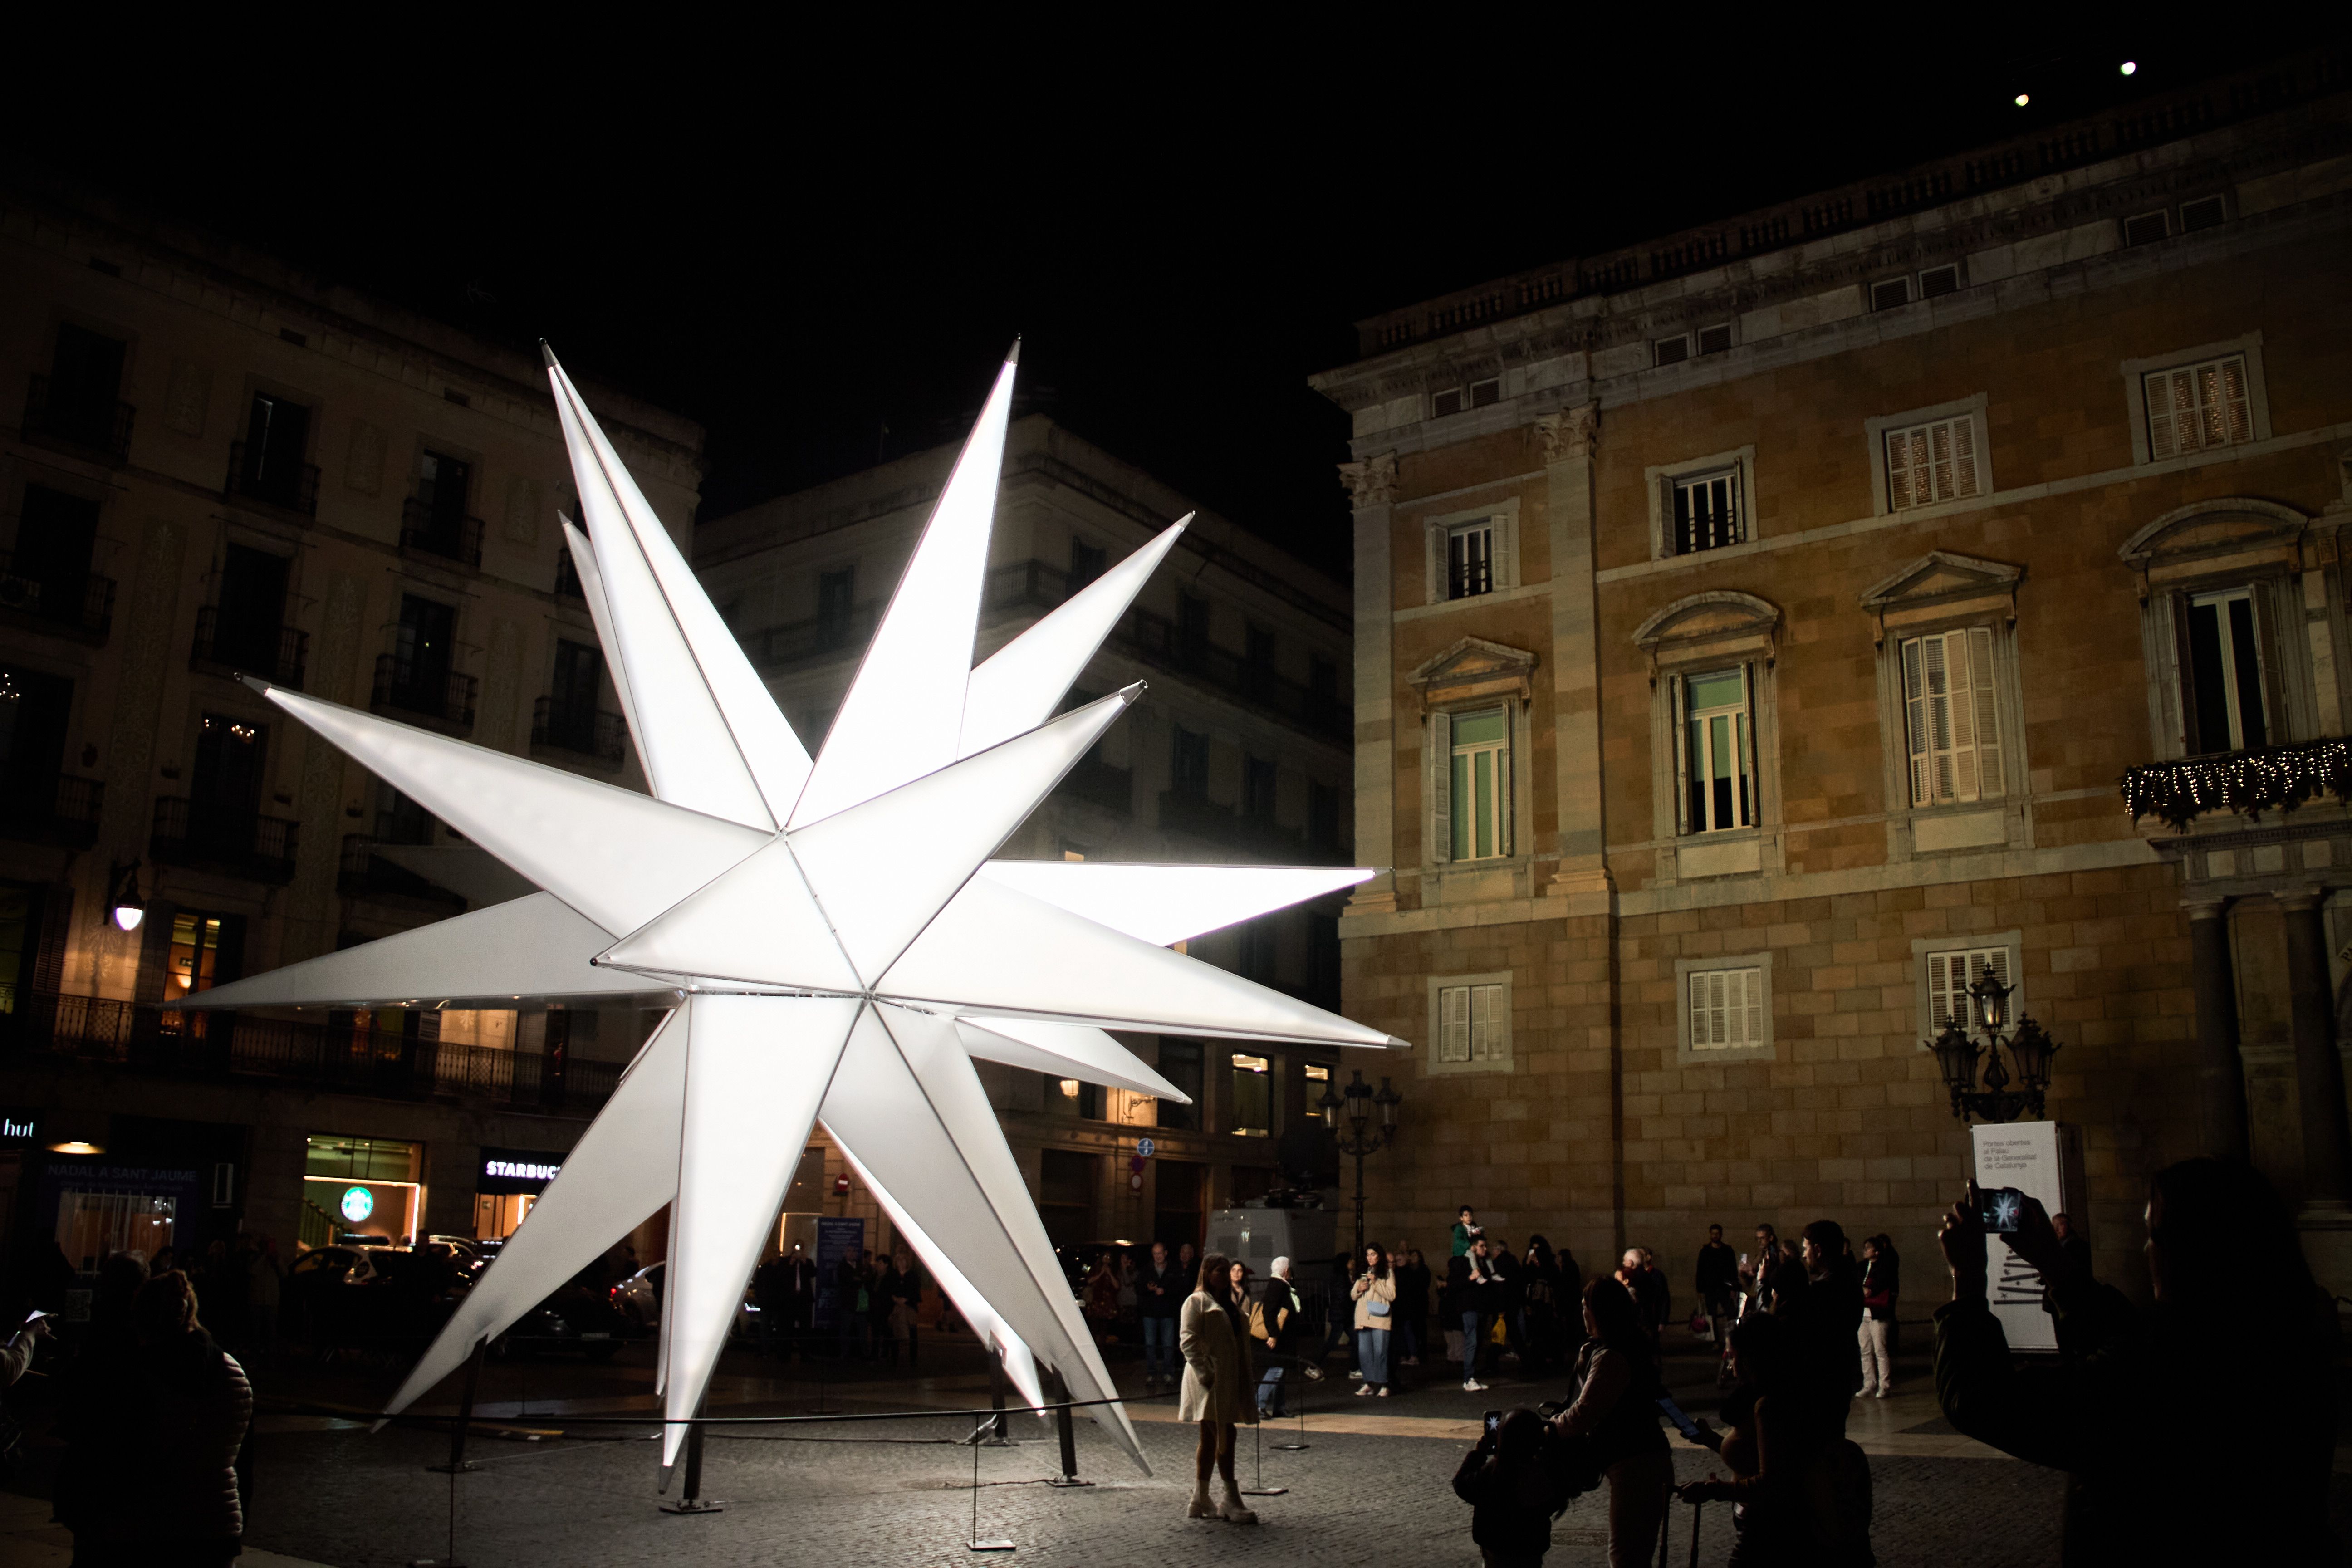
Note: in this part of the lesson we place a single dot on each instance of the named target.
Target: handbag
(1703, 1327)
(1379, 1308)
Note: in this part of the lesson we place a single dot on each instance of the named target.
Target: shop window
(1252, 1096)
(361, 1186)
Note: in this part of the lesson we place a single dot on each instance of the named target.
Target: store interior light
(1069, 1088)
(76, 1146)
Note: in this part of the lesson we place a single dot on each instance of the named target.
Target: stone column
(2220, 1078)
(1372, 487)
(1568, 441)
(2318, 1069)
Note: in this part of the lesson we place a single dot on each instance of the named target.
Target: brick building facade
(1751, 630)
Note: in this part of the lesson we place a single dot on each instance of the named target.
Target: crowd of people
(875, 1302)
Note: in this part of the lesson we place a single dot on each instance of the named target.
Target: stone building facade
(213, 465)
(1237, 753)
(1752, 629)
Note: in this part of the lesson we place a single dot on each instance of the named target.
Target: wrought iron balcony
(232, 838)
(277, 654)
(1098, 783)
(2273, 778)
(444, 699)
(94, 429)
(567, 576)
(362, 873)
(585, 731)
(79, 604)
(288, 487)
(55, 808)
(444, 535)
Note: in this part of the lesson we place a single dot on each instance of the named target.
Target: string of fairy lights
(2279, 778)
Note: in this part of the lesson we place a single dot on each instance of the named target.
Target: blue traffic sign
(1143, 1146)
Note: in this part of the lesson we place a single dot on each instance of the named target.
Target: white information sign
(2024, 1155)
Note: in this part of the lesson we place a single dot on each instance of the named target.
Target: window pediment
(1475, 667)
(1721, 623)
(1941, 587)
(2234, 533)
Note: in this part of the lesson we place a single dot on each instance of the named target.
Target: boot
(1202, 1508)
(1230, 1508)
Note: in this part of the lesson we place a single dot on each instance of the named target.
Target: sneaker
(1314, 1374)
(1472, 1385)
(1412, 1361)
(1357, 1375)
(1363, 1390)
(1384, 1391)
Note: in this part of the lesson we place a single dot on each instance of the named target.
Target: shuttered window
(1951, 716)
(2196, 406)
(1472, 1023)
(1932, 462)
(1470, 812)
(1706, 511)
(1716, 754)
(1726, 1009)
(1950, 975)
(1467, 559)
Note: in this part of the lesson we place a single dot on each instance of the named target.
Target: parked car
(577, 1318)
(638, 1300)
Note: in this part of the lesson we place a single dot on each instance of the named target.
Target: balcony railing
(362, 873)
(98, 428)
(2274, 778)
(1154, 640)
(567, 576)
(277, 654)
(445, 535)
(1098, 783)
(59, 808)
(585, 733)
(226, 838)
(445, 699)
(288, 487)
(346, 1057)
(80, 603)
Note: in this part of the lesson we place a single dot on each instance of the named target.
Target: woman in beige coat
(1375, 1295)
(1216, 1394)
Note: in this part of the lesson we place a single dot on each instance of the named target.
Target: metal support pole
(1066, 1429)
(992, 1431)
(459, 1464)
(691, 1499)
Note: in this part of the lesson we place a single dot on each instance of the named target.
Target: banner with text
(2024, 1155)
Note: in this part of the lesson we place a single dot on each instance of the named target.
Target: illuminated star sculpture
(839, 945)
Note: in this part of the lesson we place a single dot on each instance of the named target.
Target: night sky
(819, 246)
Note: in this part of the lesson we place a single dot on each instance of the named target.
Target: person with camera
(1800, 1493)
(1374, 1293)
(1510, 1491)
(2189, 1430)
(1213, 1338)
(1615, 1412)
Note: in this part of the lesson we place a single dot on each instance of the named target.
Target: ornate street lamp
(1362, 1136)
(2030, 1045)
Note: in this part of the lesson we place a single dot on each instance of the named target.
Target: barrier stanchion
(993, 1432)
(972, 1542)
(1298, 1408)
(1257, 1445)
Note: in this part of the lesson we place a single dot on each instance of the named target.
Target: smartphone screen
(1493, 1420)
(1683, 1422)
(2001, 1209)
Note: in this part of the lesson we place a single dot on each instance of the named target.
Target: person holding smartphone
(1618, 1385)
(1511, 1496)
(17, 1356)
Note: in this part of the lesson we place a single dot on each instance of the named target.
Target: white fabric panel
(600, 612)
(908, 1102)
(1020, 1366)
(1018, 687)
(1164, 904)
(614, 855)
(756, 923)
(1064, 1050)
(690, 755)
(882, 870)
(529, 949)
(756, 1068)
(622, 1170)
(994, 949)
(778, 763)
(905, 710)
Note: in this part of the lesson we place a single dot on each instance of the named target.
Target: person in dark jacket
(2189, 1431)
(881, 1300)
(1159, 1291)
(1510, 1496)
(1411, 1305)
(1803, 1492)
(1460, 1307)
(148, 1479)
(1718, 1279)
(1829, 1313)
(1281, 1324)
(1616, 1411)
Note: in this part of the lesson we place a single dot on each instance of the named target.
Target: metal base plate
(1265, 1492)
(989, 1546)
(695, 1505)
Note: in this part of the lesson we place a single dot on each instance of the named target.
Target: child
(1511, 1497)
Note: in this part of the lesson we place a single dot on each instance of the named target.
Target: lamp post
(1362, 1135)
(2030, 1045)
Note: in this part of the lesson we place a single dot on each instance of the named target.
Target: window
(424, 647)
(1890, 293)
(836, 590)
(1086, 562)
(2196, 406)
(270, 463)
(1316, 1076)
(1455, 399)
(1937, 281)
(227, 781)
(400, 820)
(1259, 949)
(1065, 1192)
(1727, 1008)
(1180, 1064)
(2205, 212)
(1191, 630)
(85, 380)
(1719, 751)
(1706, 511)
(1950, 716)
(1715, 340)
(1323, 816)
(1253, 1103)
(444, 484)
(2143, 228)
(1949, 973)
(1257, 658)
(1470, 1023)
(1932, 462)
(1072, 1097)
(47, 573)
(1257, 788)
(1671, 351)
(2226, 673)
(1188, 768)
(1470, 561)
(1472, 814)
